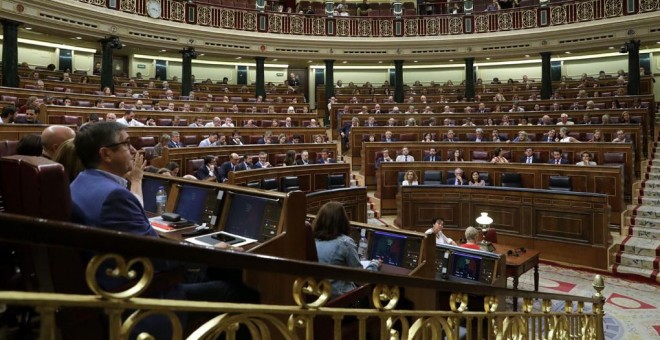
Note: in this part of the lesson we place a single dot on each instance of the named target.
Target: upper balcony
(578, 25)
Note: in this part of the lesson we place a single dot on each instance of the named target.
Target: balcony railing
(554, 14)
(581, 318)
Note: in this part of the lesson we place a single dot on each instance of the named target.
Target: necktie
(556, 161)
(406, 158)
(529, 160)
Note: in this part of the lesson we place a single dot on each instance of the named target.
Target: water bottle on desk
(362, 247)
(161, 200)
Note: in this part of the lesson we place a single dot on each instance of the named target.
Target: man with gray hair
(175, 141)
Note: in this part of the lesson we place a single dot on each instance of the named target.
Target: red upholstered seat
(73, 120)
(193, 164)
(190, 140)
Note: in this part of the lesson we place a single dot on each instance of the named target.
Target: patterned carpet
(632, 309)
(639, 252)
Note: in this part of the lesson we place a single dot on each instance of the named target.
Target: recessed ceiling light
(344, 62)
(568, 52)
(163, 50)
(526, 55)
(487, 58)
(78, 38)
(415, 61)
(451, 60)
(610, 48)
(380, 61)
(29, 28)
(123, 45)
(239, 58)
(201, 54)
(309, 61)
(275, 59)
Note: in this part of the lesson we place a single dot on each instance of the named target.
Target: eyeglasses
(114, 145)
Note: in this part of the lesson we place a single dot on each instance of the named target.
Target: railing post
(598, 306)
(398, 10)
(261, 6)
(330, 8)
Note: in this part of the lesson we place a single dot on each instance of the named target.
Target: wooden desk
(518, 263)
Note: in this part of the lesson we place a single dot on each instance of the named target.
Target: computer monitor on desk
(150, 186)
(198, 204)
(466, 265)
(399, 252)
(245, 219)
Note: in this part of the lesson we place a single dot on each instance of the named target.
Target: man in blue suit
(175, 141)
(432, 156)
(557, 158)
(101, 200)
(233, 164)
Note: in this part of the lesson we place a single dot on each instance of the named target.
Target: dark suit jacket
(452, 181)
(172, 145)
(232, 142)
(99, 200)
(428, 158)
(545, 139)
(257, 165)
(562, 161)
(330, 160)
(455, 139)
(222, 172)
(523, 159)
(300, 162)
(203, 173)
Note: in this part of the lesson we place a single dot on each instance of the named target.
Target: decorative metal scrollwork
(613, 8)
(432, 26)
(250, 21)
(177, 11)
(529, 19)
(435, 325)
(558, 15)
(481, 23)
(127, 6)
(364, 28)
(515, 327)
(585, 11)
(204, 15)
(275, 23)
(455, 25)
(386, 28)
(303, 288)
(297, 25)
(458, 302)
(504, 21)
(382, 293)
(121, 270)
(137, 316)
(318, 26)
(411, 27)
(343, 27)
(649, 5)
(490, 304)
(260, 326)
(227, 18)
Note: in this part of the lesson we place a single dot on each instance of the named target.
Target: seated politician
(100, 199)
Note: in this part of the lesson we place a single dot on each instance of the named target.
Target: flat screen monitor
(388, 247)
(253, 217)
(466, 266)
(198, 204)
(149, 188)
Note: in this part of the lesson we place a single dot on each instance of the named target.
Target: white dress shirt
(405, 158)
(133, 122)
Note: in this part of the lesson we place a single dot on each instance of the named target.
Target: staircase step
(647, 211)
(640, 246)
(642, 232)
(638, 261)
(648, 200)
(649, 273)
(638, 221)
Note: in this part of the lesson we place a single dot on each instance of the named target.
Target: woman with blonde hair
(66, 155)
(410, 178)
(565, 138)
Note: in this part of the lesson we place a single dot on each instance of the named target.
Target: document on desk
(165, 226)
(365, 263)
(222, 236)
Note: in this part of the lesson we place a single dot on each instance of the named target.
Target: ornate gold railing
(581, 318)
(555, 14)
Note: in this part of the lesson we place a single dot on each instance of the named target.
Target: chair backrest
(490, 235)
(254, 184)
(144, 141)
(336, 181)
(432, 177)
(480, 156)
(614, 158)
(562, 183)
(164, 121)
(485, 176)
(400, 177)
(269, 184)
(289, 183)
(190, 140)
(194, 164)
(511, 180)
(406, 137)
(73, 120)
